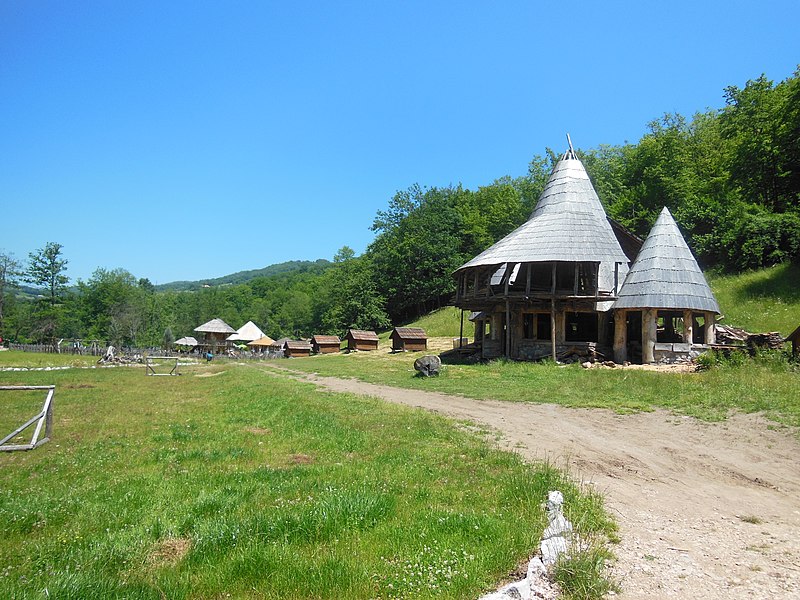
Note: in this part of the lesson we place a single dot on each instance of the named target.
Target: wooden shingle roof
(362, 335)
(297, 345)
(665, 274)
(409, 333)
(215, 326)
(326, 339)
(568, 225)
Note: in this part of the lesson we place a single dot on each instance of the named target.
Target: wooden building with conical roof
(547, 287)
(665, 309)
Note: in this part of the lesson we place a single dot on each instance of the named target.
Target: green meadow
(229, 481)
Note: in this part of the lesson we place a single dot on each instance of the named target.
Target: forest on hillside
(730, 176)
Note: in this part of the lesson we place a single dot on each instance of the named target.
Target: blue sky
(188, 140)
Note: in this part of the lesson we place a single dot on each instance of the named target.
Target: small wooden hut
(358, 339)
(296, 348)
(215, 333)
(279, 344)
(409, 339)
(262, 344)
(794, 337)
(325, 344)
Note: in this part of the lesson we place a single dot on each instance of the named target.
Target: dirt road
(706, 510)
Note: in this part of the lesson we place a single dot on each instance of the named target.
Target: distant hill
(245, 276)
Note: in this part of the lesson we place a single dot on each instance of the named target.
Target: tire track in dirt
(706, 510)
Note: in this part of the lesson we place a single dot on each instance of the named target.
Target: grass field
(231, 482)
(767, 385)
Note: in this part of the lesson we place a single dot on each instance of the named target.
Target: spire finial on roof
(571, 152)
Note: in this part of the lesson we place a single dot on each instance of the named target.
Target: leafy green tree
(414, 258)
(355, 301)
(46, 268)
(10, 271)
(754, 121)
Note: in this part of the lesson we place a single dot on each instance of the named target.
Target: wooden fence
(44, 418)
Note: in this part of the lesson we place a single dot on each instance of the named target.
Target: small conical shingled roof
(568, 224)
(665, 274)
(215, 326)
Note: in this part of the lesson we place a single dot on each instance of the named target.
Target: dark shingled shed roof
(297, 345)
(665, 274)
(409, 333)
(568, 225)
(326, 339)
(365, 336)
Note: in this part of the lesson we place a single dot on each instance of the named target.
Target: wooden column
(709, 319)
(553, 325)
(508, 325)
(648, 335)
(620, 336)
(461, 334)
(688, 327)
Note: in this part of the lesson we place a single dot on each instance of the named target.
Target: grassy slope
(760, 301)
(250, 485)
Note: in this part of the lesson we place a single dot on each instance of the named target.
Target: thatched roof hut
(262, 343)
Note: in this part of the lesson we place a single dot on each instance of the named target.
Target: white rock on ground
(555, 540)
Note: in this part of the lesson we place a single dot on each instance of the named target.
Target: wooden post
(553, 312)
(688, 327)
(616, 279)
(461, 333)
(575, 283)
(528, 282)
(648, 335)
(508, 325)
(709, 322)
(620, 336)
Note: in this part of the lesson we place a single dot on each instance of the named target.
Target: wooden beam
(688, 327)
(709, 327)
(553, 312)
(508, 327)
(620, 336)
(528, 282)
(648, 335)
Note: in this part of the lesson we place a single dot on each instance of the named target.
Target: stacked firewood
(734, 336)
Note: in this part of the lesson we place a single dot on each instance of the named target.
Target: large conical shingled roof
(665, 274)
(568, 224)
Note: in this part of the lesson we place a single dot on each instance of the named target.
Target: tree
(46, 268)
(9, 275)
(354, 298)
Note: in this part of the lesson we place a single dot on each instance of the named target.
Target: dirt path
(706, 510)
